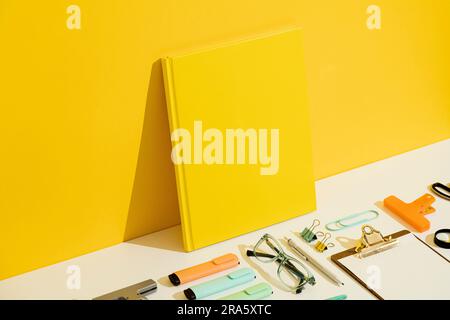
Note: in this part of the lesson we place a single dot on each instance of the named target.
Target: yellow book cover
(241, 139)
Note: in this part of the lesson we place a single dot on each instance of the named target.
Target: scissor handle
(436, 188)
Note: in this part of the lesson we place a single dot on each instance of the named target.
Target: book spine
(179, 169)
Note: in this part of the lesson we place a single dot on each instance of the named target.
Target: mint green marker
(341, 297)
(217, 285)
(260, 291)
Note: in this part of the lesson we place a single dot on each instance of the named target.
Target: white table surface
(156, 255)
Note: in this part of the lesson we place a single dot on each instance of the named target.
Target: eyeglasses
(291, 272)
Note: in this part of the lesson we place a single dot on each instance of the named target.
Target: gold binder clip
(322, 245)
(373, 242)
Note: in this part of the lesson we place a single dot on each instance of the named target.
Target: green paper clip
(342, 223)
(308, 233)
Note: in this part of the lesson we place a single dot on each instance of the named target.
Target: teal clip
(344, 223)
(308, 233)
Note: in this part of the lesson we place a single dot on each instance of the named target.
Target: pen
(314, 263)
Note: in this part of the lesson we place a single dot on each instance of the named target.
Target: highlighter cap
(189, 293)
(174, 279)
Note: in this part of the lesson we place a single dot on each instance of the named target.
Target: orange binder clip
(412, 213)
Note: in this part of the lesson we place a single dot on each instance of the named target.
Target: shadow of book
(154, 202)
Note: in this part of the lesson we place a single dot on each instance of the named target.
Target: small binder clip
(412, 213)
(308, 233)
(373, 242)
(322, 245)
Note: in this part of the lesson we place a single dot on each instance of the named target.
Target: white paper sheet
(404, 272)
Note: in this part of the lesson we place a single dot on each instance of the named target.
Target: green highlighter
(257, 292)
(341, 297)
(217, 285)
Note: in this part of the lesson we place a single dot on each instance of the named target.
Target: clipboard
(407, 269)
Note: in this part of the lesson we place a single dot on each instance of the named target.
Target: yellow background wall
(85, 153)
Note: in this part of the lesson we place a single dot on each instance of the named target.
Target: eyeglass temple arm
(290, 266)
(251, 253)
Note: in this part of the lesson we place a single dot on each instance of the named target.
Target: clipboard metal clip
(373, 242)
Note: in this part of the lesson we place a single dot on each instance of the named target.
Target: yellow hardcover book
(241, 137)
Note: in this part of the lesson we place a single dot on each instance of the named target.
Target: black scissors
(441, 190)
